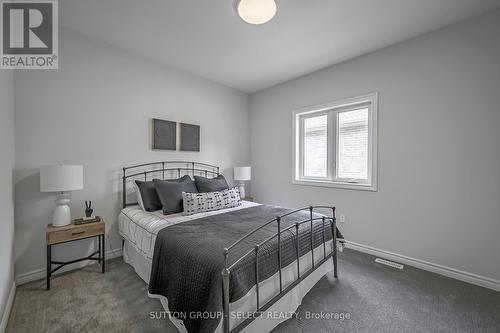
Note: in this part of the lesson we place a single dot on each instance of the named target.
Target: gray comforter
(188, 259)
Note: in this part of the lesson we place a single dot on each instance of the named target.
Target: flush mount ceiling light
(256, 11)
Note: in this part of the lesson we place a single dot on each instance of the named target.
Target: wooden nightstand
(72, 232)
(248, 199)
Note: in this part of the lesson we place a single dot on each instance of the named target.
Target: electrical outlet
(342, 218)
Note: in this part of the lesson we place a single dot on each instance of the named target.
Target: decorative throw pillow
(170, 193)
(147, 197)
(216, 184)
(208, 201)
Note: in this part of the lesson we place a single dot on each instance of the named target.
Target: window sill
(342, 185)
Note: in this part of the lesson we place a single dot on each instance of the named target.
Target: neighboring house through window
(336, 144)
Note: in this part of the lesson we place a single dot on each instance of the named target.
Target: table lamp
(242, 174)
(61, 179)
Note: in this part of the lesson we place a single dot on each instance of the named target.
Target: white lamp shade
(61, 178)
(242, 173)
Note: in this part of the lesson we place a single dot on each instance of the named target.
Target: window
(316, 146)
(335, 144)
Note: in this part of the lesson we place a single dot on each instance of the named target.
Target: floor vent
(389, 263)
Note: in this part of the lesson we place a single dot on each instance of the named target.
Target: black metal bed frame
(227, 269)
(181, 168)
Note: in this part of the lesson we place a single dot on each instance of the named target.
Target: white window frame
(334, 108)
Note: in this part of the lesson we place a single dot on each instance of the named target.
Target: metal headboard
(165, 170)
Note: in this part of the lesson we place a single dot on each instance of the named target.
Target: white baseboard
(38, 274)
(8, 308)
(428, 266)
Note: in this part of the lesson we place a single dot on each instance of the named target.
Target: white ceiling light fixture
(257, 11)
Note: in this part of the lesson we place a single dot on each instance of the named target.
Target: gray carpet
(368, 296)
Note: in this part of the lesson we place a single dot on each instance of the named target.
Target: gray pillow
(149, 198)
(216, 184)
(170, 193)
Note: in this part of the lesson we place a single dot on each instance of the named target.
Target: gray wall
(96, 110)
(6, 192)
(439, 139)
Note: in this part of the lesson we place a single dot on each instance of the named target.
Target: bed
(231, 270)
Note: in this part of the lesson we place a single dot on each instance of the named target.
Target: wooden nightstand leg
(49, 265)
(103, 254)
(99, 249)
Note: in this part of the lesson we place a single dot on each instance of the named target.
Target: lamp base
(62, 213)
(242, 190)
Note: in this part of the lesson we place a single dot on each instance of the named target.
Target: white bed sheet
(140, 228)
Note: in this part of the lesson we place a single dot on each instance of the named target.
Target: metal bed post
(225, 293)
(297, 224)
(311, 234)
(323, 234)
(278, 219)
(257, 274)
(124, 189)
(334, 239)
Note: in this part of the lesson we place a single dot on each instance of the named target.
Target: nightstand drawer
(83, 231)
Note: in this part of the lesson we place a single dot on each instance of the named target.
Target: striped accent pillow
(209, 201)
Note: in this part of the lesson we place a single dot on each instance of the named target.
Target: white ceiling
(206, 37)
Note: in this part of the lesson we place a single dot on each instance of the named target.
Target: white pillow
(194, 203)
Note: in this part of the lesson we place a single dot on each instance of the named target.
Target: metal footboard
(226, 272)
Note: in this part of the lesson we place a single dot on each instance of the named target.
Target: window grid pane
(353, 144)
(316, 147)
